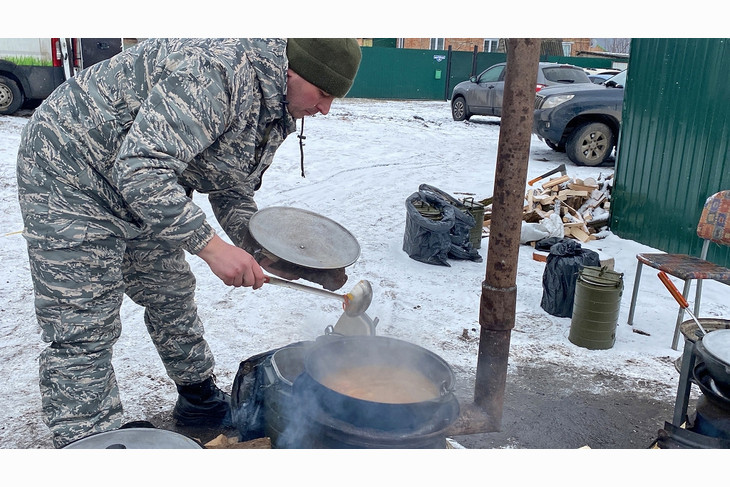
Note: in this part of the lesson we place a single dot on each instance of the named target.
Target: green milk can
(596, 307)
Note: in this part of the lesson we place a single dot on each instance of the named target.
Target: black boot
(202, 404)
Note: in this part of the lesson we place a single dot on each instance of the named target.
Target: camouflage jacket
(162, 118)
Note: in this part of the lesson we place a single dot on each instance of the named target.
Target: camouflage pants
(79, 279)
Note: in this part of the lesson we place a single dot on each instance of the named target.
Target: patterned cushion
(685, 266)
(714, 219)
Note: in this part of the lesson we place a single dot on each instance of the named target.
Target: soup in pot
(384, 384)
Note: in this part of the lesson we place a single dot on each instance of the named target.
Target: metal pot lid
(304, 238)
(134, 438)
(600, 276)
(717, 344)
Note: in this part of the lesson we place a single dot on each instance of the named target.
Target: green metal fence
(419, 74)
(673, 146)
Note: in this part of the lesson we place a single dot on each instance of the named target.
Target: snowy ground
(362, 161)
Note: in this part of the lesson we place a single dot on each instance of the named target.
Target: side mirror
(613, 84)
(473, 79)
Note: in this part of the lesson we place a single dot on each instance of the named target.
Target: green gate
(673, 146)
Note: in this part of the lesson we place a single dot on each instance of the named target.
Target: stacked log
(583, 205)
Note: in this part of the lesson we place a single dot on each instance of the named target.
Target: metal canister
(476, 210)
(596, 307)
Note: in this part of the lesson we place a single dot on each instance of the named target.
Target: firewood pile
(582, 204)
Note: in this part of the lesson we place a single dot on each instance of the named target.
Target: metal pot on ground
(299, 411)
(321, 417)
(395, 360)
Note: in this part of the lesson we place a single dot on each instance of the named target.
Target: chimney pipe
(499, 291)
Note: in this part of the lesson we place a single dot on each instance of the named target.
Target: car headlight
(555, 100)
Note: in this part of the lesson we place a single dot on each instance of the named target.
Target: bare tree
(619, 45)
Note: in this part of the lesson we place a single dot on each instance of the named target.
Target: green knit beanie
(329, 64)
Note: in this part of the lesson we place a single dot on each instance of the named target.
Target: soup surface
(383, 384)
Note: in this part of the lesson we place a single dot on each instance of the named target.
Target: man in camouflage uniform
(106, 167)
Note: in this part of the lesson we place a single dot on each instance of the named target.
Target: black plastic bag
(546, 243)
(561, 273)
(247, 397)
(428, 240)
(252, 385)
(433, 240)
(464, 222)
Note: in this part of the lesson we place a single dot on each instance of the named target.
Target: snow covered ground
(362, 161)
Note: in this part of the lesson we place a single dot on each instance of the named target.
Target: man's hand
(233, 265)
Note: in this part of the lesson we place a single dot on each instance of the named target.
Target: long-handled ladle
(354, 303)
(679, 298)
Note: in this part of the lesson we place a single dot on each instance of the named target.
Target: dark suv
(581, 120)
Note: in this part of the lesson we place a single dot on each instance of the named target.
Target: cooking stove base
(709, 425)
(712, 412)
(674, 437)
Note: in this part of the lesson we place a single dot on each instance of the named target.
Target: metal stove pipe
(499, 292)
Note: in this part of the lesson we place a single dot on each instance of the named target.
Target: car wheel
(459, 109)
(555, 147)
(590, 144)
(11, 98)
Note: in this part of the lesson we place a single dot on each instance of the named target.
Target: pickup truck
(582, 120)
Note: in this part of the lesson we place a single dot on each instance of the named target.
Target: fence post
(447, 91)
(474, 61)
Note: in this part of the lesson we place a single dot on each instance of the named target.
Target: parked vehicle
(482, 94)
(602, 71)
(599, 79)
(581, 120)
(31, 68)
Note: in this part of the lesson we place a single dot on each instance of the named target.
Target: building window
(437, 43)
(490, 45)
(567, 48)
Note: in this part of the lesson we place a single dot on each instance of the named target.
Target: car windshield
(565, 74)
(619, 80)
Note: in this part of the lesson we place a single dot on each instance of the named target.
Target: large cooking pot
(370, 382)
(714, 350)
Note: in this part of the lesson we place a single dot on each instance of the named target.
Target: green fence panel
(422, 74)
(673, 145)
(416, 74)
(400, 74)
